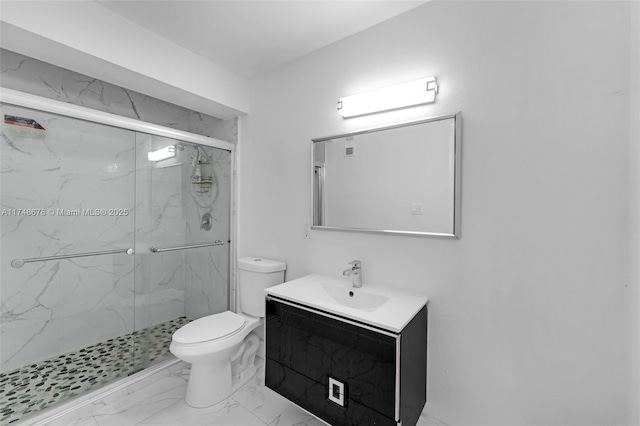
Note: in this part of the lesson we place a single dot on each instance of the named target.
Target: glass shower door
(66, 281)
(182, 234)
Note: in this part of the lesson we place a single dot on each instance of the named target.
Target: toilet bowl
(210, 345)
(221, 348)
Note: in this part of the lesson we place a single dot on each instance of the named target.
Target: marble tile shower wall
(210, 265)
(30, 75)
(53, 307)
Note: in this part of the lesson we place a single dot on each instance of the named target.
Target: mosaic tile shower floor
(32, 388)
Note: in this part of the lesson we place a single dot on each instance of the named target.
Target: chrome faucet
(355, 272)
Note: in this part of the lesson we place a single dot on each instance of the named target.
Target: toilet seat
(212, 327)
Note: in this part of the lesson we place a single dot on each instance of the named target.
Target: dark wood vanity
(343, 371)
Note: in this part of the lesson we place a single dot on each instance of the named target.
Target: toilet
(221, 348)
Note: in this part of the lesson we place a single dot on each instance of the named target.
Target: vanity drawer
(315, 348)
(312, 396)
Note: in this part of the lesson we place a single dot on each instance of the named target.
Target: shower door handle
(160, 250)
(19, 263)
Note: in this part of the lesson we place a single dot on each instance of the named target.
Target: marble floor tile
(227, 413)
(296, 416)
(260, 400)
(134, 408)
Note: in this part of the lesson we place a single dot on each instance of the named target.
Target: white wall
(528, 310)
(634, 228)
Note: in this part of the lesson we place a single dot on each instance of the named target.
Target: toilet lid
(209, 328)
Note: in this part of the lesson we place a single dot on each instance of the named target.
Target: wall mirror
(399, 179)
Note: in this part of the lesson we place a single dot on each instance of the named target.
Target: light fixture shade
(162, 154)
(413, 93)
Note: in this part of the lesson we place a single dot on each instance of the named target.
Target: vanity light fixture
(413, 93)
(162, 154)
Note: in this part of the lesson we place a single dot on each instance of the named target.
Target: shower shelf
(203, 186)
(205, 176)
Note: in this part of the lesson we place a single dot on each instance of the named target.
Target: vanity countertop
(379, 306)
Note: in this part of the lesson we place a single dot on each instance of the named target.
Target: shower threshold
(30, 389)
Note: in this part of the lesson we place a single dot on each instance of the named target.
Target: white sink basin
(356, 298)
(379, 306)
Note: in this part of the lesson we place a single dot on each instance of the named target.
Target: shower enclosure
(114, 233)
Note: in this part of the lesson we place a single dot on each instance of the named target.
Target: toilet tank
(254, 275)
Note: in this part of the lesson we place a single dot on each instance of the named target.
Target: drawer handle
(336, 391)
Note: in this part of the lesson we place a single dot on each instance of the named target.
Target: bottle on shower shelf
(197, 173)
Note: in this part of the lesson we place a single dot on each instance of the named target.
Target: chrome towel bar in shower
(160, 250)
(18, 263)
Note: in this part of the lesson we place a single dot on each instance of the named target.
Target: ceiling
(250, 38)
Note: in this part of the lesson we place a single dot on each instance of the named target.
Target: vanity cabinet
(343, 371)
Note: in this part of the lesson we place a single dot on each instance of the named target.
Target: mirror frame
(457, 176)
